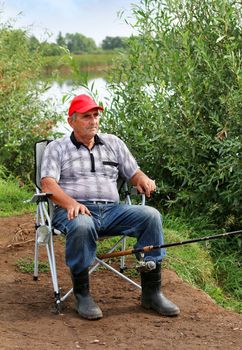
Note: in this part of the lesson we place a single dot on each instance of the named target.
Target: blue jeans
(142, 222)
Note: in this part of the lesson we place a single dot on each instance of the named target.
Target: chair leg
(109, 267)
(122, 259)
(58, 302)
(36, 258)
(52, 263)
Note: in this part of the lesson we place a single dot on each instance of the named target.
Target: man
(81, 172)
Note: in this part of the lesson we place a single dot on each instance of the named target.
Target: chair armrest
(40, 197)
(133, 191)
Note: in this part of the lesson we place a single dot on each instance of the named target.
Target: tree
(51, 49)
(78, 43)
(24, 116)
(60, 40)
(177, 103)
(33, 43)
(117, 42)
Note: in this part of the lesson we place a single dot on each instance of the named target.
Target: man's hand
(146, 186)
(74, 210)
(143, 183)
(72, 207)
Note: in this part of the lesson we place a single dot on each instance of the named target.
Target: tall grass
(87, 62)
(12, 198)
(204, 265)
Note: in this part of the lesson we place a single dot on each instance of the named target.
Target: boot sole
(171, 314)
(89, 317)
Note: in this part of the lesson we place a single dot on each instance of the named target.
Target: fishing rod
(154, 247)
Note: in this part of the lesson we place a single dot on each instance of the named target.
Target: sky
(95, 19)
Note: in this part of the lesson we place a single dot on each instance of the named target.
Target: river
(57, 90)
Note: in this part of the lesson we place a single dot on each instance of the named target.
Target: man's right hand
(74, 210)
(59, 197)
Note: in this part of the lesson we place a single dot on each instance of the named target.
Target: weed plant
(12, 198)
(26, 265)
(212, 265)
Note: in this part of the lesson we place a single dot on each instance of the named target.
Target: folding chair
(45, 231)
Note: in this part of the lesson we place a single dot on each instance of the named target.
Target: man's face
(86, 124)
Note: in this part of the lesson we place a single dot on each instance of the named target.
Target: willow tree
(24, 116)
(177, 103)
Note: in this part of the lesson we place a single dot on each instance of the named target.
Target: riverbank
(27, 319)
(192, 262)
(88, 62)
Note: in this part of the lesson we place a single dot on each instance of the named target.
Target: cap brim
(88, 108)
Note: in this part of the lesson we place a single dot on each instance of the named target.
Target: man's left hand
(143, 183)
(146, 186)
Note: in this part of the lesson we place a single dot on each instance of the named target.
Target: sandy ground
(28, 320)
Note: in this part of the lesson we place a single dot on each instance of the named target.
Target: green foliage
(76, 43)
(24, 117)
(60, 40)
(45, 48)
(216, 264)
(88, 62)
(227, 265)
(228, 268)
(116, 42)
(191, 262)
(177, 103)
(51, 49)
(12, 197)
(26, 265)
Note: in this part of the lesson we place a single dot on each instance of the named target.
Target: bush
(24, 117)
(12, 198)
(177, 103)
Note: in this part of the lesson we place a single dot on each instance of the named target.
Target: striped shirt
(89, 175)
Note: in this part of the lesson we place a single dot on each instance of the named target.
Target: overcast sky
(93, 18)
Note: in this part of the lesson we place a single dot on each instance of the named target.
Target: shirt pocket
(110, 168)
(107, 162)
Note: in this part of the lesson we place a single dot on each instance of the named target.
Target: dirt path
(27, 320)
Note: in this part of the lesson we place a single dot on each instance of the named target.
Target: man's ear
(70, 121)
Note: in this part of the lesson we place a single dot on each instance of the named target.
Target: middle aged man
(81, 172)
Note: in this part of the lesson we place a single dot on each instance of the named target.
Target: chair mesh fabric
(39, 151)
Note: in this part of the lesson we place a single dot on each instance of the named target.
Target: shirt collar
(97, 141)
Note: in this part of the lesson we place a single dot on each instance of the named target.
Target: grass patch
(191, 262)
(194, 264)
(12, 199)
(105, 245)
(218, 275)
(26, 265)
(84, 62)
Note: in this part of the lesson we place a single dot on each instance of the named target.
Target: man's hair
(73, 116)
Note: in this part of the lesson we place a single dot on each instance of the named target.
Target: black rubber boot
(152, 298)
(85, 305)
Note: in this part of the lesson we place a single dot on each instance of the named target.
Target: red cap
(82, 104)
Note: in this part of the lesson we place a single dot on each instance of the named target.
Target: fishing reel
(145, 266)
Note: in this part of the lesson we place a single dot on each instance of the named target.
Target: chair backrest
(39, 151)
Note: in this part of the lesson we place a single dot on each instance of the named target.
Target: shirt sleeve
(127, 163)
(51, 161)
